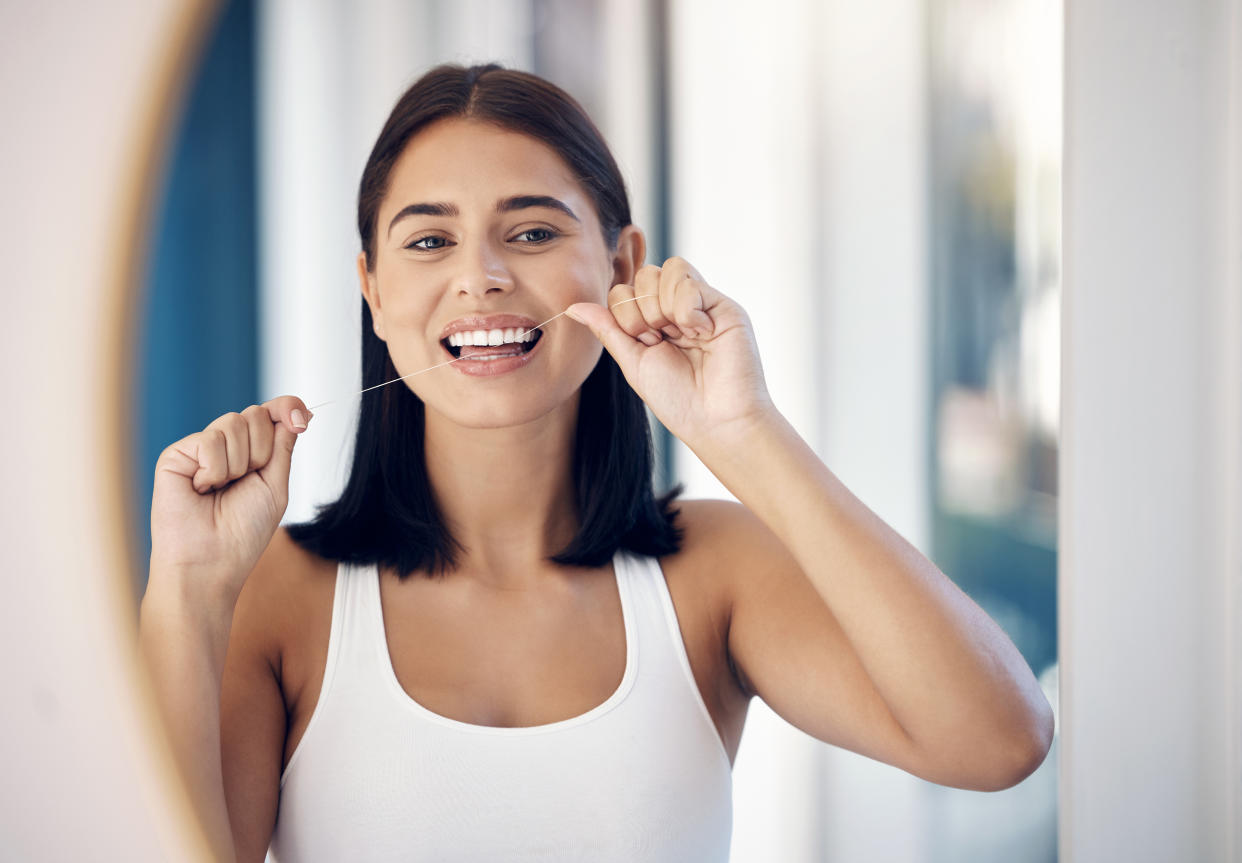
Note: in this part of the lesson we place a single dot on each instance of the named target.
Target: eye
(535, 236)
(430, 243)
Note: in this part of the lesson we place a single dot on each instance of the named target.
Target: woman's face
(486, 231)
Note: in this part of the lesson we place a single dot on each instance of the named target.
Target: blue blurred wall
(198, 356)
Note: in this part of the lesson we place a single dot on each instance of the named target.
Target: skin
(798, 593)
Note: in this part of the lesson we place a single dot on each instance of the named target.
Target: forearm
(950, 676)
(184, 649)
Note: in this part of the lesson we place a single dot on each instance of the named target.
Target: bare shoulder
(723, 544)
(723, 537)
(254, 688)
(727, 552)
(284, 593)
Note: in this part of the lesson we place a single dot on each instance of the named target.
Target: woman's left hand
(686, 349)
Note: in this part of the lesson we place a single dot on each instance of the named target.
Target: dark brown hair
(387, 513)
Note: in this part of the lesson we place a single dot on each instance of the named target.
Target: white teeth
(491, 337)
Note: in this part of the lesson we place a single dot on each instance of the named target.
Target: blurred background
(878, 184)
(875, 182)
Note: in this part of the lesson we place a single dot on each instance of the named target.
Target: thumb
(276, 472)
(599, 320)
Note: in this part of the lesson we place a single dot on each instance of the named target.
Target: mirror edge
(123, 303)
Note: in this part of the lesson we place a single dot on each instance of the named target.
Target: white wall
(798, 175)
(742, 142)
(1152, 430)
(873, 381)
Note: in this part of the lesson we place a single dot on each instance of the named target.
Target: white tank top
(378, 777)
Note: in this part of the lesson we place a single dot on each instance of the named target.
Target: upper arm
(789, 649)
(252, 707)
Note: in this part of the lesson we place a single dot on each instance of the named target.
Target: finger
(237, 443)
(627, 314)
(261, 428)
(209, 448)
(675, 271)
(281, 409)
(647, 289)
(603, 324)
(276, 472)
(689, 303)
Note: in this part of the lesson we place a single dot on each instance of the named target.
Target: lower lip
(489, 368)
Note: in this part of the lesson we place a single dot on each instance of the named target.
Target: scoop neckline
(620, 574)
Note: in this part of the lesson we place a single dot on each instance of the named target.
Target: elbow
(1003, 756)
(1026, 750)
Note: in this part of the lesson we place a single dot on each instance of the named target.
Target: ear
(370, 293)
(630, 254)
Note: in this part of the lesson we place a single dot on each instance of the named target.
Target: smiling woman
(497, 643)
(482, 228)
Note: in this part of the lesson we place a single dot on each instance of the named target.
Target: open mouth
(491, 344)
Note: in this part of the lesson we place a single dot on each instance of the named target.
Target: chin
(501, 409)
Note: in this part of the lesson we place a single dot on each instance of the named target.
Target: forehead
(467, 162)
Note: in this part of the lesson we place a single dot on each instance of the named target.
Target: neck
(506, 494)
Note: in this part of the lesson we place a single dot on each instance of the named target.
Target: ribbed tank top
(378, 777)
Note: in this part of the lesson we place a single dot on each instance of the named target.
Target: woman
(497, 644)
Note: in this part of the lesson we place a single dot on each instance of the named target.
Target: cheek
(404, 302)
(585, 277)
(584, 351)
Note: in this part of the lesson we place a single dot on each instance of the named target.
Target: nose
(481, 271)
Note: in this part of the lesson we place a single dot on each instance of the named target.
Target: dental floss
(459, 359)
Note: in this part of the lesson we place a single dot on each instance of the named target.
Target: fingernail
(569, 313)
(649, 339)
(298, 420)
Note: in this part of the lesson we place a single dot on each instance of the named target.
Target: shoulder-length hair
(387, 513)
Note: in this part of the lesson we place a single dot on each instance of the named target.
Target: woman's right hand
(220, 494)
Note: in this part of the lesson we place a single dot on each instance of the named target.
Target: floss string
(459, 359)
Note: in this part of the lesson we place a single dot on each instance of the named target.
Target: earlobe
(630, 255)
(370, 293)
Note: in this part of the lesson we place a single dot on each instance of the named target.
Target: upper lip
(488, 322)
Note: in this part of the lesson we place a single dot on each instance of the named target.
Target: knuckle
(634, 325)
(260, 453)
(239, 461)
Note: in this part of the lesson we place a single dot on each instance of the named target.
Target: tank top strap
(643, 579)
(662, 651)
(363, 633)
(347, 657)
(352, 645)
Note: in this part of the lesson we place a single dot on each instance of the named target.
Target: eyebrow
(523, 202)
(508, 205)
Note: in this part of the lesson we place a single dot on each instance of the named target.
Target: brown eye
(536, 236)
(428, 244)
